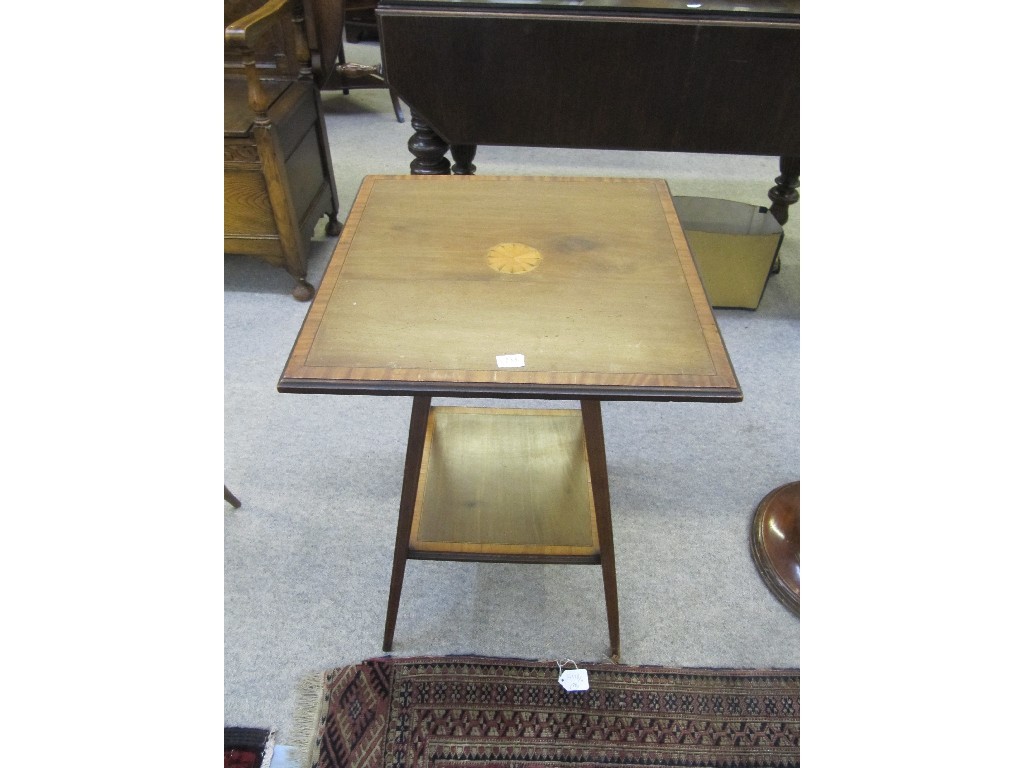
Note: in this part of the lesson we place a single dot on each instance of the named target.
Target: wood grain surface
(504, 482)
(613, 308)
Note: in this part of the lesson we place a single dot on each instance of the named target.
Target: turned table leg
(784, 194)
(463, 155)
(428, 148)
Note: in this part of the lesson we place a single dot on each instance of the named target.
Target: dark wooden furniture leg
(428, 148)
(410, 483)
(784, 194)
(231, 499)
(282, 205)
(396, 105)
(333, 228)
(593, 431)
(463, 155)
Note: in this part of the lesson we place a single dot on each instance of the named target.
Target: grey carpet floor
(307, 557)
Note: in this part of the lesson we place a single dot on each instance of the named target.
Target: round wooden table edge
(780, 570)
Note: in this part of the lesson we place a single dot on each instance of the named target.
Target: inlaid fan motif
(513, 258)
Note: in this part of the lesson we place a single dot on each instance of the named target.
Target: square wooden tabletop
(485, 286)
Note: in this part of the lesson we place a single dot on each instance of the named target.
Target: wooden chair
(325, 24)
(278, 175)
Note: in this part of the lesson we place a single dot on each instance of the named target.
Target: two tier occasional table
(535, 288)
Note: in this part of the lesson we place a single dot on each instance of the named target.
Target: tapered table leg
(410, 482)
(593, 431)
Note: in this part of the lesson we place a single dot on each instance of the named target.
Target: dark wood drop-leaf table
(530, 288)
(716, 76)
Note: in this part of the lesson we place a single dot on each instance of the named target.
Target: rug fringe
(308, 711)
(268, 749)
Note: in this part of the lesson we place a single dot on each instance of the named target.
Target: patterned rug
(470, 712)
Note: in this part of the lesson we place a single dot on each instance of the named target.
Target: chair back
(275, 46)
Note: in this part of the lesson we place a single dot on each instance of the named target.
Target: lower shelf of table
(505, 485)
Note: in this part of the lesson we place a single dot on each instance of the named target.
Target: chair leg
(231, 499)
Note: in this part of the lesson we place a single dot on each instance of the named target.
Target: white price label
(574, 680)
(511, 361)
